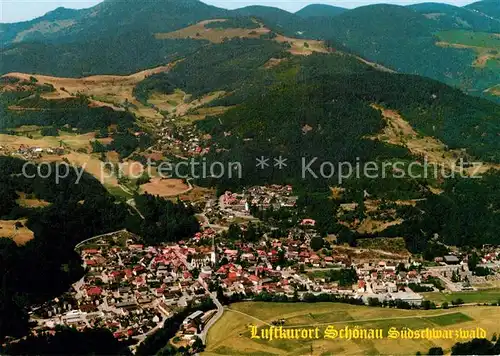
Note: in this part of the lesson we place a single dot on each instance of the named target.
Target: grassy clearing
(394, 245)
(198, 31)
(231, 336)
(450, 319)
(399, 132)
(20, 234)
(30, 202)
(301, 47)
(104, 90)
(473, 39)
(198, 194)
(483, 296)
(214, 35)
(486, 45)
(165, 187)
(320, 274)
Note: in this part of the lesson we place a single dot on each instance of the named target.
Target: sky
(23, 10)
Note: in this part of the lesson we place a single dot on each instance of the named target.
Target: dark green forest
(108, 39)
(226, 66)
(114, 55)
(61, 114)
(164, 220)
(87, 342)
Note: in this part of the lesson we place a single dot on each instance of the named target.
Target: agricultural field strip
(346, 321)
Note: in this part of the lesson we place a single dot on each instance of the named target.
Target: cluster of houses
(264, 197)
(130, 289)
(491, 258)
(453, 269)
(30, 153)
(276, 268)
(183, 141)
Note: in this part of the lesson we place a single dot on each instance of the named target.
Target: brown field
(30, 202)
(337, 192)
(374, 251)
(201, 114)
(198, 194)
(107, 90)
(214, 35)
(167, 102)
(69, 141)
(273, 62)
(19, 235)
(299, 47)
(393, 245)
(483, 53)
(154, 155)
(90, 163)
(94, 166)
(369, 225)
(165, 187)
(133, 168)
(400, 132)
(180, 103)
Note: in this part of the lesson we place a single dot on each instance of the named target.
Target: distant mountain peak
(320, 10)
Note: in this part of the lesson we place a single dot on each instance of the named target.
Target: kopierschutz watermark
(419, 169)
(306, 168)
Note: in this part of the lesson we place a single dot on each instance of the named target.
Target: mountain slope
(38, 29)
(319, 10)
(487, 7)
(276, 19)
(113, 17)
(123, 54)
(116, 37)
(448, 17)
(406, 41)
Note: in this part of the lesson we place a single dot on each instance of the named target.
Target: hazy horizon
(24, 10)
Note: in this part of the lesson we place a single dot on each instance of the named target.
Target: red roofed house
(255, 280)
(94, 291)
(310, 222)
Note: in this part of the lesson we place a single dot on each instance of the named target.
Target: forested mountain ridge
(448, 17)
(109, 18)
(489, 8)
(319, 10)
(419, 39)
